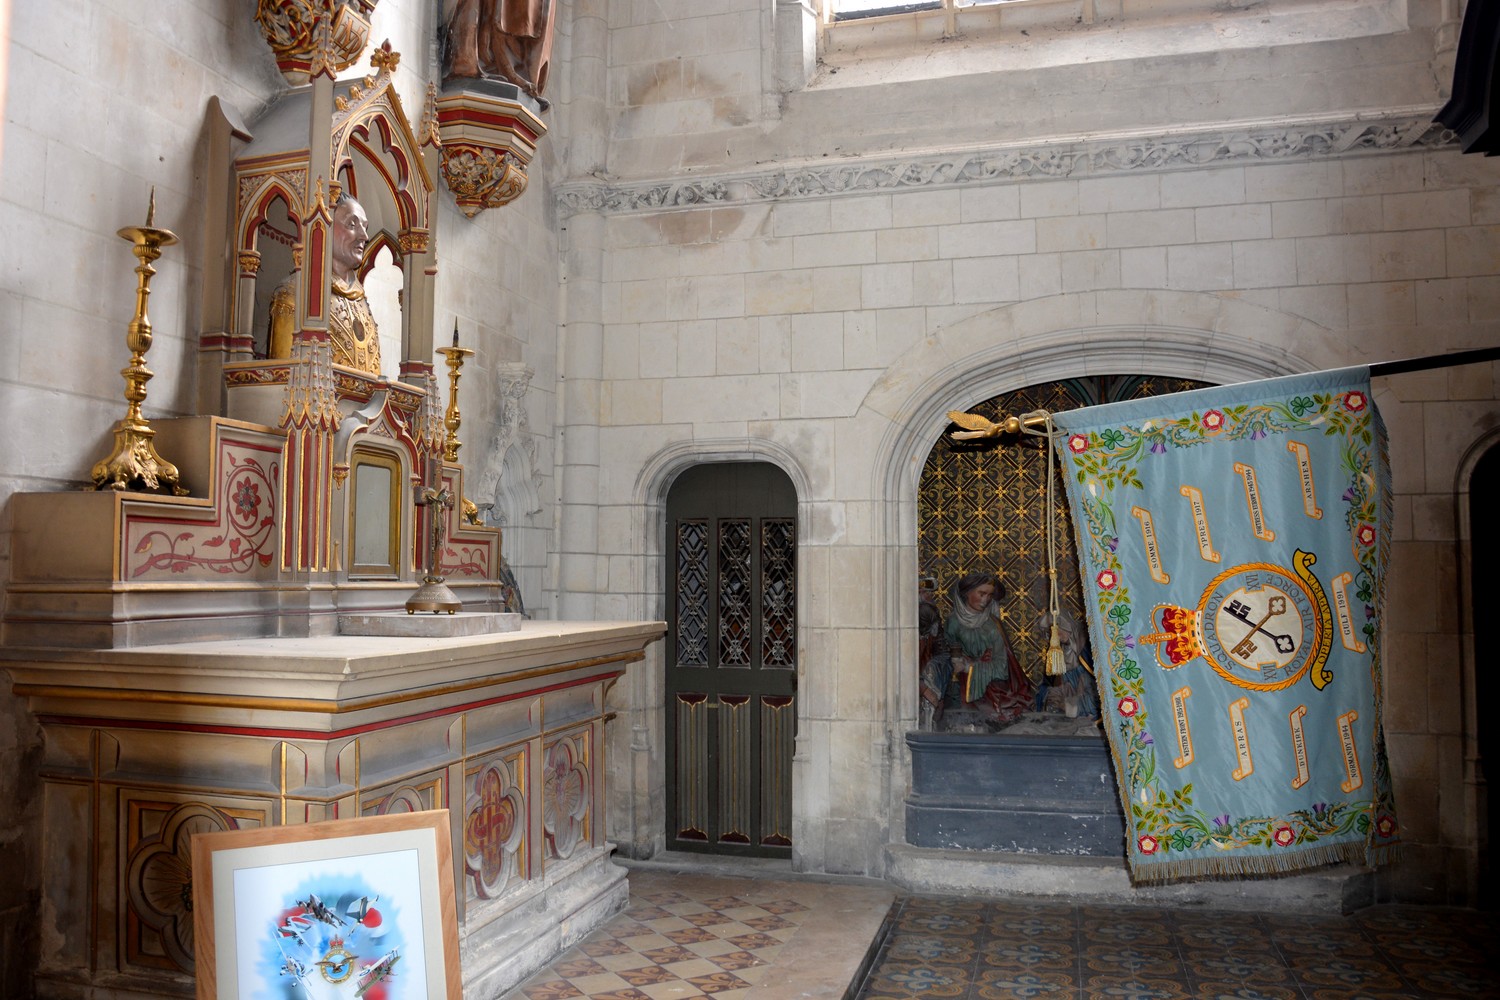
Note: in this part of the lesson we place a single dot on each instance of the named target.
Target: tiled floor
(998, 950)
(782, 938)
(779, 937)
(735, 938)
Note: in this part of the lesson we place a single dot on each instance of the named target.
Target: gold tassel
(1056, 665)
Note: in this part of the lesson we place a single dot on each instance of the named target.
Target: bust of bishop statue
(351, 326)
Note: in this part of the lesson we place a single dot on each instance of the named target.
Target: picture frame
(348, 909)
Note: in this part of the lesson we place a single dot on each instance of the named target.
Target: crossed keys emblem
(1246, 646)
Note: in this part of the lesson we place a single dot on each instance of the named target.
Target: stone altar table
(145, 746)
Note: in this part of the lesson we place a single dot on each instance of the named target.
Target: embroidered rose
(1078, 444)
(1146, 843)
(1385, 825)
(1354, 401)
(1128, 706)
(1365, 534)
(1106, 579)
(1284, 836)
(1213, 421)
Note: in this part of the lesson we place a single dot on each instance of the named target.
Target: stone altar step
(1336, 889)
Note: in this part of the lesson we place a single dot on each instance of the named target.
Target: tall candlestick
(453, 419)
(134, 463)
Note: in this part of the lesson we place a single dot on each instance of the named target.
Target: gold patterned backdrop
(983, 506)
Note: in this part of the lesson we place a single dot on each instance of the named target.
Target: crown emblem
(1179, 635)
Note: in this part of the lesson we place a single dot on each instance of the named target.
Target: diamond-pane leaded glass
(692, 593)
(734, 592)
(778, 601)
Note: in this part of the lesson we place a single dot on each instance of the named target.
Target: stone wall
(814, 280)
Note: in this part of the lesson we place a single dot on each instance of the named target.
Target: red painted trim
(466, 116)
(315, 293)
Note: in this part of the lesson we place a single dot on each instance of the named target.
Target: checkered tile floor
(693, 935)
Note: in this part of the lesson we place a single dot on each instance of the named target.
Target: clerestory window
(846, 10)
(1033, 34)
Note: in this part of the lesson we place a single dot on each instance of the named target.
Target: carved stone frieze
(1071, 159)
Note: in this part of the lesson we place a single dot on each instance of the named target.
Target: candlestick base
(134, 464)
(433, 596)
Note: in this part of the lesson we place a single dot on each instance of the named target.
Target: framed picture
(353, 909)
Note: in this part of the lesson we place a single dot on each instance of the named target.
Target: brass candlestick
(453, 418)
(135, 463)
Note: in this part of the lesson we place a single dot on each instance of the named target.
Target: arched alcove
(1172, 334)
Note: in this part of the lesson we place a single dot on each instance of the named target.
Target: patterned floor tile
(667, 947)
(1244, 991)
(690, 935)
(718, 982)
(669, 954)
(551, 989)
(1030, 954)
(750, 942)
(997, 984)
(1125, 986)
(577, 968)
(601, 946)
(1259, 967)
(782, 906)
(919, 979)
(1139, 960)
(602, 982)
(737, 960)
(646, 975)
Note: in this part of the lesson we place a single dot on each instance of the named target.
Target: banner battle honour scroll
(1233, 543)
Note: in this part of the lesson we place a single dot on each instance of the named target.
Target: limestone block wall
(810, 270)
(829, 335)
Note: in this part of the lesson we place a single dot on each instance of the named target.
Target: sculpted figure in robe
(508, 40)
(981, 650)
(351, 326)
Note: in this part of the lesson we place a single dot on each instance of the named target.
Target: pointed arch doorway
(731, 659)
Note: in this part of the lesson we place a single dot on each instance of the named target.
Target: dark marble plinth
(1024, 794)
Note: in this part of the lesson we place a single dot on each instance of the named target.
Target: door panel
(731, 673)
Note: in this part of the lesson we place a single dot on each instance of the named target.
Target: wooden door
(731, 659)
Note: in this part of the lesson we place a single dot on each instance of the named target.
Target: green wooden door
(731, 659)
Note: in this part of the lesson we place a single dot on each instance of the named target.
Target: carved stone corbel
(489, 134)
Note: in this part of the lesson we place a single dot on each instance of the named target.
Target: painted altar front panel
(504, 730)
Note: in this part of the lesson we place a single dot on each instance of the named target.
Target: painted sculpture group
(970, 677)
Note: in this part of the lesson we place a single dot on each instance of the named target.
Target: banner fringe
(1267, 865)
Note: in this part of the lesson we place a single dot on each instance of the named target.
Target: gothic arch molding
(1177, 334)
(655, 480)
(1478, 834)
(645, 689)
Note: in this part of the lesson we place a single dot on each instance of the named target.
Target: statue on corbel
(495, 58)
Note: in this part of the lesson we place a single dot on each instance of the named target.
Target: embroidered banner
(1232, 543)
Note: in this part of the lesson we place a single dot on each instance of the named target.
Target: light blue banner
(1232, 543)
